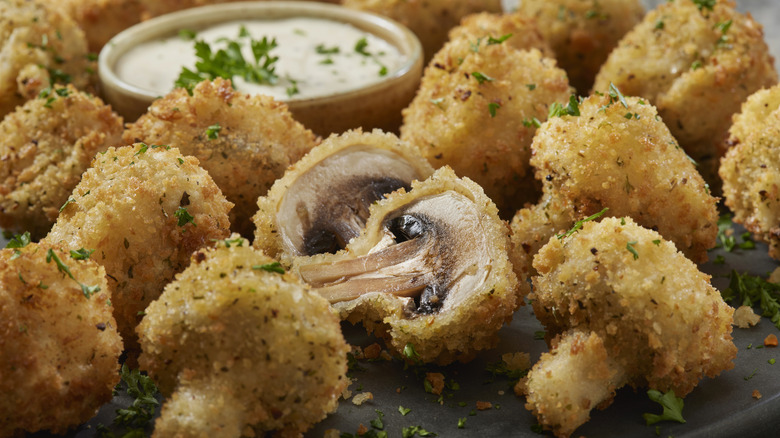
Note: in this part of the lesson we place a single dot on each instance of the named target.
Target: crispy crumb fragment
(483, 405)
(437, 382)
(372, 351)
(361, 398)
(770, 341)
(756, 394)
(744, 317)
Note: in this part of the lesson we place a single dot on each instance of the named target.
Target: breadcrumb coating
(697, 65)
(254, 352)
(100, 19)
(477, 110)
(47, 144)
(582, 33)
(59, 348)
(658, 320)
(751, 168)
(515, 29)
(144, 210)
(41, 46)
(616, 154)
(220, 127)
(430, 20)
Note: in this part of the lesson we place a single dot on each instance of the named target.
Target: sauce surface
(316, 57)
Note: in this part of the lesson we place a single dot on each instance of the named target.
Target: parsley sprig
(137, 416)
(672, 407)
(749, 290)
(88, 291)
(229, 62)
(578, 224)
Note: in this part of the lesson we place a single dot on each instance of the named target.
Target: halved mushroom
(430, 269)
(322, 201)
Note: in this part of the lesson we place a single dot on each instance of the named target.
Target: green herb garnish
(492, 107)
(212, 132)
(748, 290)
(270, 267)
(571, 109)
(672, 407)
(578, 224)
(184, 217)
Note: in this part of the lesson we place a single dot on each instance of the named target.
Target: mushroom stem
(322, 274)
(406, 286)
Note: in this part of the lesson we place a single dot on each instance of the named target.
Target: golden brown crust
(523, 32)
(127, 208)
(100, 19)
(697, 67)
(255, 350)
(751, 168)
(583, 33)
(620, 157)
(47, 144)
(243, 156)
(41, 46)
(482, 126)
(59, 350)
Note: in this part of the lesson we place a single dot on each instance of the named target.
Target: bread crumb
(756, 394)
(362, 430)
(517, 361)
(770, 341)
(372, 351)
(744, 317)
(483, 405)
(332, 433)
(437, 382)
(361, 398)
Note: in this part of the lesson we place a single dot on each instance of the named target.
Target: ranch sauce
(316, 57)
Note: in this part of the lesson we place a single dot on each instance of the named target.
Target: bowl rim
(169, 24)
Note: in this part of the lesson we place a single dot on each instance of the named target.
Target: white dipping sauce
(306, 49)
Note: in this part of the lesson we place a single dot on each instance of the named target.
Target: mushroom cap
(430, 269)
(322, 201)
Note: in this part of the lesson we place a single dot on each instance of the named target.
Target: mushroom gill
(431, 268)
(323, 201)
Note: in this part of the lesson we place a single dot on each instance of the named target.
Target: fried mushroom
(625, 308)
(582, 33)
(696, 62)
(59, 347)
(751, 168)
(219, 126)
(254, 352)
(430, 269)
(516, 29)
(41, 46)
(477, 110)
(322, 202)
(143, 210)
(47, 144)
(616, 154)
(100, 19)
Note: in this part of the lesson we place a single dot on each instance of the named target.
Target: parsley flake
(270, 267)
(672, 407)
(481, 77)
(571, 109)
(748, 290)
(631, 249)
(81, 254)
(578, 224)
(492, 107)
(212, 132)
(184, 217)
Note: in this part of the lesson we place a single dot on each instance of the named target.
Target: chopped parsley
(616, 96)
(88, 291)
(184, 217)
(705, 4)
(532, 122)
(229, 62)
(462, 423)
(18, 241)
(187, 34)
(631, 249)
(137, 416)
(404, 411)
(492, 107)
(578, 224)
(409, 432)
(672, 407)
(481, 77)
(531, 87)
(571, 109)
(361, 48)
(212, 132)
(270, 267)
(50, 94)
(81, 254)
(499, 40)
(410, 354)
(748, 290)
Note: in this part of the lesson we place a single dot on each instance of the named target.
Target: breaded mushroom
(244, 141)
(616, 154)
(153, 8)
(696, 62)
(430, 269)
(59, 346)
(625, 308)
(47, 144)
(254, 352)
(323, 200)
(751, 168)
(430, 20)
(41, 46)
(100, 19)
(582, 33)
(477, 110)
(516, 29)
(144, 210)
